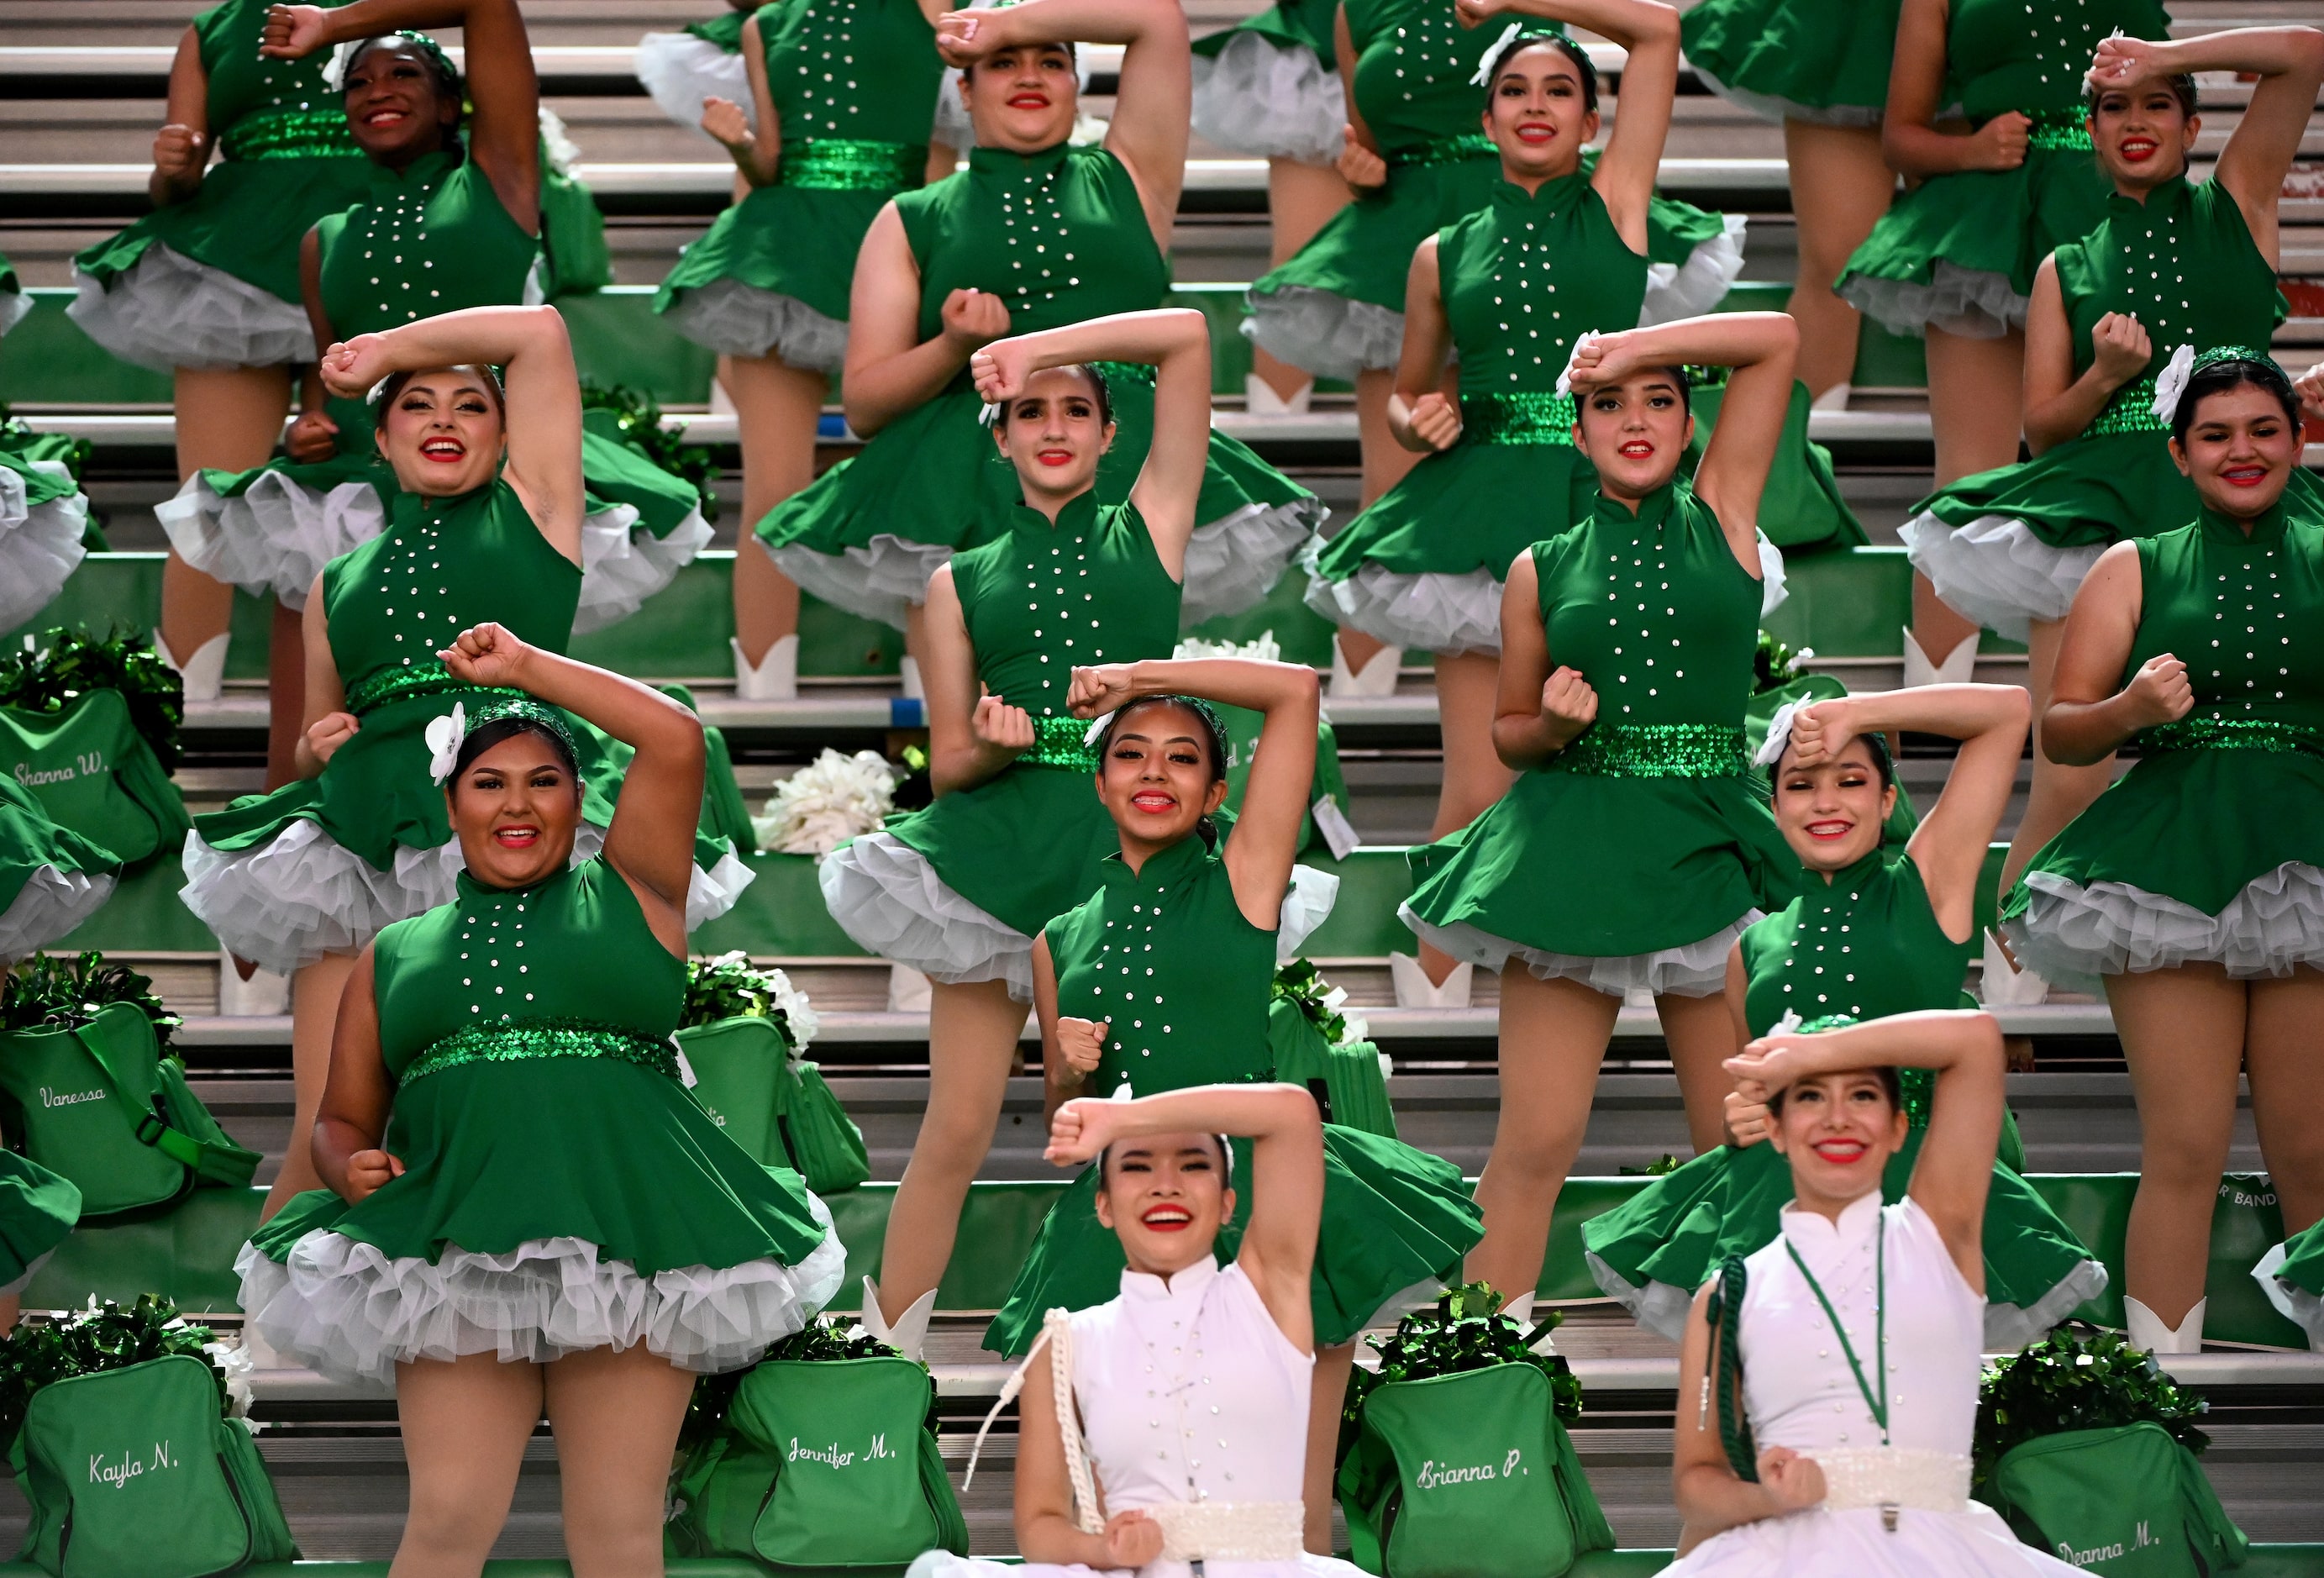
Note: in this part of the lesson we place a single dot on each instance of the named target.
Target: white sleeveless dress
(1191, 1397)
(1800, 1393)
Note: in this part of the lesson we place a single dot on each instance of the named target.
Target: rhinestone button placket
(1040, 248)
(826, 77)
(1524, 274)
(427, 543)
(388, 227)
(1132, 965)
(1647, 572)
(484, 916)
(1829, 963)
(1061, 602)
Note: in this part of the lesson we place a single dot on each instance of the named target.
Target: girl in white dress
(1187, 1411)
(1842, 1445)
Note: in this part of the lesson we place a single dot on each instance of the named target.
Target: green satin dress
(51, 879)
(1268, 88)
(560, 1189)
(1823, 62)
(1167, 956)
(1061, 236)
(854, 89)
(1866, 945)
(1960, 251)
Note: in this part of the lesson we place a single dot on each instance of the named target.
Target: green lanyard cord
(1879, 1406)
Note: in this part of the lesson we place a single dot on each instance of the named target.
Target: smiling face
(2239, 450)
(1536, 115)
(2143, 136)
(515, 809)
(443, 432)
(1837, 1131)
(1054, 433)
(1831, 813)
(1158, 778)
(1636, 431)
(1022, 98)
(397, 109)
(1165, 1197)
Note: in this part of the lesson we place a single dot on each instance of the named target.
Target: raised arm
(503, 133)
(2288, 62)
(891, 370)
(972, 735)
(181, 148)
(352, 1118)
(756, 142)
(651, 840)
(1286, 1174)
(1761, 347)
(1949, 846)
(1264, 841)
(1418, 415)
(1910, 139)
(542, 404)
(1151, 109)
(1954, 1169)
(1539, 710)
(2092, 712)
(1175, 341)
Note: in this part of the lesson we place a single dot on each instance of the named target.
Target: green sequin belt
(1540, 417)
(2131, 411)
(1444, 151)
(1654, 750)
(428, 678)
(1059, 743)
(1126, 372)
(2233, 735)
(844, 165)
(521, 1041)
(319, 131)
(2058, 131)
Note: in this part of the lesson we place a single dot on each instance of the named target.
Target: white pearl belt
(1229, 1531)
(1894, 1476)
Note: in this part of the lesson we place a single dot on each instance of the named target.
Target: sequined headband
(1517, 32)
(445, 735)
(344, 56)
(2170, 384)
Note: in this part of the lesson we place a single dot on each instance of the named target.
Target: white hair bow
(1565, 379)
(1484, 76)
(1779, 734)
(2171, 382)
(443, 737)
(1096, 730)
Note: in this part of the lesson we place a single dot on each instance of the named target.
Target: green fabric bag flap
(270, 1531)
(738, 1077)
(193, 1137)
(1354, 1093)
(1801, 508)
(2126, 1502)
(129, 1475)
(88, 1107)
(825, 1145)
(855, 1485)
(1468, 1476)
(715, 1499)
(93, 772)
(1326, 822)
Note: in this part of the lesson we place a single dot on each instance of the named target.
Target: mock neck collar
(1074, 518)
(472, 889)
(2266, 526)
(1557, 192)
(1162, 867)
(1008, 161)
(1852, 877)
(1653, 508)
(1186, 1287)
(1811, 1229)
(2168, 197)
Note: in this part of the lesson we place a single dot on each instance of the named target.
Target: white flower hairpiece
(335, 70)
(1779, 734)
(444, 736)
(1565, 379)
(987, 412)
(1484, 76)
(2171, 382)
(1790, 1021)
(1096, 731)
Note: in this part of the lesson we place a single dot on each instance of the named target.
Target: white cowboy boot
(1376, 678)
(910, 1334)
(203, 674)
(2148, 1332)
(2006, 985)
(1259, 399)
(774, 678)
(1414, 989)
(1958, 667)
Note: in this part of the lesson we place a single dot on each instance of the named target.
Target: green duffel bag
(98, 1104)
(1468, 1475)
(93, 772)
(822, 1464)
(1313, 1046)
(825, 1145)
(134, 1473)
(2127, 1501)
(774, 1105)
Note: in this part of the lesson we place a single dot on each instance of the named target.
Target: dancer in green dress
(1034, 235)
(682, 71)
(43, 513)
(488, 501)
(524, 1206)
(1954, 260)
(1161, 979)
(51, 879)
(1880, 933)
(206, 285)
(1820, 68)
(2174, 268)
(2194, 888)
(1632, 850)
(466, 212)
(822, 150)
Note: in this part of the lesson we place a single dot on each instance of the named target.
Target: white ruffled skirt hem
(346, 1310)
(40, 544)
(48, 906)
(1698, 969)
(680, 71)
(168, 311)
(623, 565)
(1768, 107)
(884, 580)
(1972, 303)
(1854, 1544)
(1261, 99)
(1697, 285)
(1323, 333)
(1233, 562)
(737, 319)
(1429, 611)
(887, 896)
(2074, 935)
(1995, 571)
(2297, 1305)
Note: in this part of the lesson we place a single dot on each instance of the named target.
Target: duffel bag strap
(218, 1164)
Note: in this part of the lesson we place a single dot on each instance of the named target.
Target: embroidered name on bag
(1431, 1477)
(119, 1475)
(838, 1458)
(85, 764)
(50, 1098)
(2141, 1538)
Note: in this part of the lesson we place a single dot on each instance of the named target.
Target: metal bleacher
(81, 85)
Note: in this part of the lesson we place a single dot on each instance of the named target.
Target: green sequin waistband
(2234, 735)
(1059, 743)
(1126, 372)
(2059, 131)
(428, 678)
(1655, 750)
(1444, 151)
(521, 1041)
(2131, 411)
(843, 164)
(1538, 418)
(317, 131)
